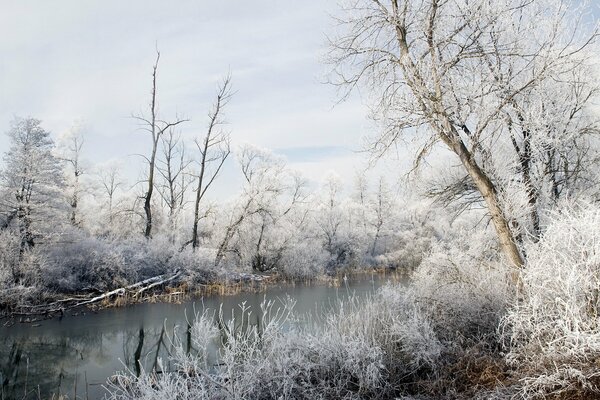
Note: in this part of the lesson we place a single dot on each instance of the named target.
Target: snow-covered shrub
(9, 257)
(146, 258)
(464, 286)
(554, 327)
(411, 326)
(394, 322)
(197, 266)
(410, 246)
(87, 263)
(304, 259)
(33, 267)
(20, 274)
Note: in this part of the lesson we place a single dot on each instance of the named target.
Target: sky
(90, 63)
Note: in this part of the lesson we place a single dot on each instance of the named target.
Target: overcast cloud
(91, 61)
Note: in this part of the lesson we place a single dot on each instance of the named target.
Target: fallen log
(158, 278)
(150, 282)
(154, 284)
(119, 291)
(59, 306)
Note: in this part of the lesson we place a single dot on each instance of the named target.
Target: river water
(75, 355)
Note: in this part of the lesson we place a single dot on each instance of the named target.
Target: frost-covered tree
(278, 221)
(32, 182)
(336, 228)
(466, 74)
(330, 217)
(382, 204)
(265, 220)
(109, 188)
(69, 149)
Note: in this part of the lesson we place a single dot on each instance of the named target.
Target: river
(75, 355)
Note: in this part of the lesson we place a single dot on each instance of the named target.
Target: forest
(495, 225)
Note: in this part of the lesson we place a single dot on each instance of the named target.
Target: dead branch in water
(157, 283)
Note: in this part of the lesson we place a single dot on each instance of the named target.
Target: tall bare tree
(451, 71)
(214, 149)
(71, 154)
(382, 205)
(155, 127)
(110, 182)
(175, 181)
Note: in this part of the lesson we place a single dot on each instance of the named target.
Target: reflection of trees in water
(143, 347)
(32, 367)
(46, 365)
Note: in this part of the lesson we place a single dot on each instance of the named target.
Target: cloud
(92, 62)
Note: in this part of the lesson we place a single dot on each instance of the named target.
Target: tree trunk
(225, 242)
(148, 197)
(230, 232)
(524, 156)
(155, 137)
(199, 192)
(74, 209)
(490, 195)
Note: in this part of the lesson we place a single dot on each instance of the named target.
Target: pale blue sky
(65, 61)
(71, 60)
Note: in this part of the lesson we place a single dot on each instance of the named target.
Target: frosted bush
(203, 332)
(304, 259)
(365, 350)
(410, 254)
(27, 290)
(197, 266)
(145, 259)
(9, 256)
(555, 323)
(84, 264)
(33, 266)
(394, 322)
(464, 286)
(412, 329)
(16, 268)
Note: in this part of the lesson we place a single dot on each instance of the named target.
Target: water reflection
(74, 356)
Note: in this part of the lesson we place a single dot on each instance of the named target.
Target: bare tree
(71, 154)
(156, 127)
(110, 181)
(451, 71)
(214, 149)
(382, 205)
(172, 168)
(331, 218)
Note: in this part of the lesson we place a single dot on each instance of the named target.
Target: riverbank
(172, 289)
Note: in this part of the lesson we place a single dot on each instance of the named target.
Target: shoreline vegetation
(168, 289)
